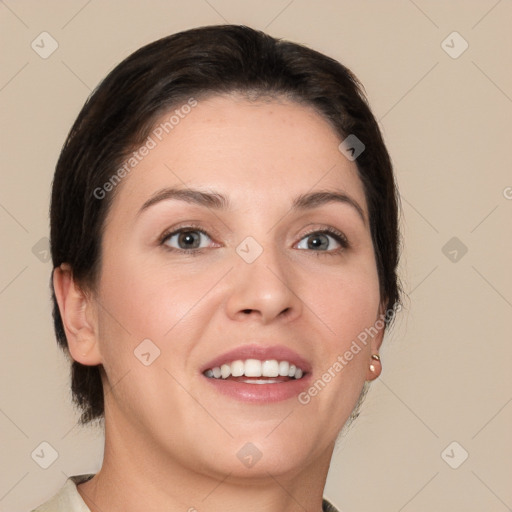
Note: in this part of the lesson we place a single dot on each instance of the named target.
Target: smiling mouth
(255, 371)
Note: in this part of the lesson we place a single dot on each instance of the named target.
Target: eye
(323, 240)
(186, 239)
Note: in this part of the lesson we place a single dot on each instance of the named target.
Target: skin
(171, 440)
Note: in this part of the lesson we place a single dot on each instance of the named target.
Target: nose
(264, 289)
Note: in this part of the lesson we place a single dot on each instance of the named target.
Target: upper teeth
(255, 368)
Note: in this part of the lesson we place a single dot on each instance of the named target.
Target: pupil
(316, 241)
(188, 239)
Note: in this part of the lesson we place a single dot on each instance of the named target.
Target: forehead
(252, 151)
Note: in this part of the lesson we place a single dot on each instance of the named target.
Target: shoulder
(328, 507)
(68, 498)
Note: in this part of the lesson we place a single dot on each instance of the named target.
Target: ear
(375, 365)
(78, 317)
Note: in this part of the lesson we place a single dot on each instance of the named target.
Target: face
(217, 256)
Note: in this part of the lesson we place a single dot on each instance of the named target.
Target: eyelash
(334, 233)
(190, 227)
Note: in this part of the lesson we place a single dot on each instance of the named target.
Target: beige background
(447, 364)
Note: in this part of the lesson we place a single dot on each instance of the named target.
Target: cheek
(347, 306)
(347, 302)
(146, 301)
(141, 302)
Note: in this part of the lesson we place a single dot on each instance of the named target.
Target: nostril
(247, 311)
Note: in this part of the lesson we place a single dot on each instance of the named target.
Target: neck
(137, 476)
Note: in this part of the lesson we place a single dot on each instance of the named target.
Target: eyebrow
(189, 195)
(315, 199)
(217, 201)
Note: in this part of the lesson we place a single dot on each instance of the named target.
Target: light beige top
(68, 499)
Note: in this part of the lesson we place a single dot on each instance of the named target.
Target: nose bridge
(262, 282)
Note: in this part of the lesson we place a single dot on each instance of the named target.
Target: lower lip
(260, 393)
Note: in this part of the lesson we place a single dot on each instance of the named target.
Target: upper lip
(261, 352)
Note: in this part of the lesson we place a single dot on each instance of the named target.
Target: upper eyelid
(176, 230)
(190, 227)
(333, 232)
(329, 231)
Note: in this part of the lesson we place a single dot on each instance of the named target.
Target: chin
(277, 453)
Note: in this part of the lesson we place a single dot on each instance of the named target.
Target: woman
(225, 243)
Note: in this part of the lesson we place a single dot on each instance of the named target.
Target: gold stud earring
(375, 357)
